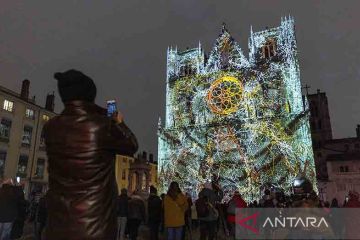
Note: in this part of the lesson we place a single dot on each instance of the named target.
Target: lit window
(26, 138)
(45, 117)
(40, 168)
(22, 166)
(123, 174)
(8, 105)
(29, 113)
(5, 126)
(144, 182)
(2, 163)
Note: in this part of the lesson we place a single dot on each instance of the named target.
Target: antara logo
(294, 222)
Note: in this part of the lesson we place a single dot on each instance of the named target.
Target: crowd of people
(174, 215)
(15, 211)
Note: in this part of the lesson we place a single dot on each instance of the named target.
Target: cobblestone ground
(143, 234)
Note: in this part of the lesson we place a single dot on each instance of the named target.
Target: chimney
(144, 155)
(358, 131)
(50, 102)
(25, 89)
(151, 157)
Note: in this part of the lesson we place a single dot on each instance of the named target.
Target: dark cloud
(122, 45)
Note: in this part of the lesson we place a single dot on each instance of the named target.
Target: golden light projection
(224, 95)
(225, 140)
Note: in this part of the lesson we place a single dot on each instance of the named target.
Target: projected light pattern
(242, 123)
(224, 95)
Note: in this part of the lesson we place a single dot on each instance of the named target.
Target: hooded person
(81, 145)
(154, 213)
(136, 214)
(208, 221)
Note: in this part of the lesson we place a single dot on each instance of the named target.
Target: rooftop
(18, 97)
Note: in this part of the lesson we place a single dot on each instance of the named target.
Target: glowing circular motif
(224, 95)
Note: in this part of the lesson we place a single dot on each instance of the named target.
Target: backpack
(202, 208)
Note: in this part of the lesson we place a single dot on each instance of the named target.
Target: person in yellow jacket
(175, 206)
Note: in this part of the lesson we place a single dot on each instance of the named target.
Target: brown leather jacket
(81, 144)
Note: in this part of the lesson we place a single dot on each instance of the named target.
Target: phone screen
(111, 107)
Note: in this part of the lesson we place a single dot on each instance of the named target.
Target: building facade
(337, 160)
(342, 157)
(343, 175)
(321, 130)
(122, 166)
(136, 173)
(22, 146)
(237, 121)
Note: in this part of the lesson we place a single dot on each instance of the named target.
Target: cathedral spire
(224, 29)
(159, 123)
(251, 41)
(251, 33)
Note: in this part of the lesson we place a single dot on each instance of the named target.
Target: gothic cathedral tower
(240, 122)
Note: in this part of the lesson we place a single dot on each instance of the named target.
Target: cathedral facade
(238, 121)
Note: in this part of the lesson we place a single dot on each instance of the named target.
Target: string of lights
(242, 123)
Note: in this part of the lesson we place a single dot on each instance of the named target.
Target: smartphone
(111, 107)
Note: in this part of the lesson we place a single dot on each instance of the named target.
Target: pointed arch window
(187, 70)
(269, 49)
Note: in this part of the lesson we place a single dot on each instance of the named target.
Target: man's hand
(118, 117)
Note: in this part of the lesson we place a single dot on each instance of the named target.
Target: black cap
(74, 85)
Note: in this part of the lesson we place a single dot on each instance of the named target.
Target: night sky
(122, 46)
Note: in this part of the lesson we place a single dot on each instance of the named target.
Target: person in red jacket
(236, 202)
(353, 200)
(352, 218)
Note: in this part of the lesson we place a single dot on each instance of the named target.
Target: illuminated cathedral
(238, 121)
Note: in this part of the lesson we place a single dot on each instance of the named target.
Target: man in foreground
(81, 144)
(8, 208)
